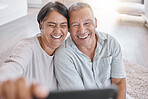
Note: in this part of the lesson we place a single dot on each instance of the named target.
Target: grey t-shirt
(30, 60)
(75, 70)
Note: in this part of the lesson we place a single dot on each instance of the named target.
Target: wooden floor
(133, 37)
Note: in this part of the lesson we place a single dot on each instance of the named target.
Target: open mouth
(56, 37)
(83, 37)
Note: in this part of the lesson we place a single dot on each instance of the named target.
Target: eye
(51, 25)
(63, 25)
(75, 25)
(87, 23)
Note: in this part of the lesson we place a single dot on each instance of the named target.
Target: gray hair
(80, 5)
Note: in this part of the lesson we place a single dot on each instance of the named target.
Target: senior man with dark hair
(88, 59)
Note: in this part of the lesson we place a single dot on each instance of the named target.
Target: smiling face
(82, 27)
(54, 30)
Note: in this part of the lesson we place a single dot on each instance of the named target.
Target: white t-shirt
(30, 60)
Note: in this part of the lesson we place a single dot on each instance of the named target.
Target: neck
(45, 47)
(89, 50)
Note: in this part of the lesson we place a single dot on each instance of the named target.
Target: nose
(81, 29)
(57, 30)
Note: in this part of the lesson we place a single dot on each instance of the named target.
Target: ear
(41, 25)
(95, 22)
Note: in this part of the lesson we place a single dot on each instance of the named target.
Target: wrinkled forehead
(77, 8)
(81, 14)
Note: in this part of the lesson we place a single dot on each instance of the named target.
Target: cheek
(92, 29)
(47, 33)
(65, 31)
(73, 31)
(48, 29)
(73, 36)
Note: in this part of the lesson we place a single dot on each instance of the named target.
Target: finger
(39, 91)
(9, 89)
(23, 91)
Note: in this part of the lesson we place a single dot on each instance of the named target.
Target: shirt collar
(101, 37)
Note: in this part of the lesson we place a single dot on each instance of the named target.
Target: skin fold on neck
(47, 49)
(89, 50)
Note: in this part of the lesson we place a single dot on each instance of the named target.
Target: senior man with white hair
(88, 59)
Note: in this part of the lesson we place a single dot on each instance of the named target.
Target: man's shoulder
(105, 35)
(67, 44)
(67, 48)
(108, 36)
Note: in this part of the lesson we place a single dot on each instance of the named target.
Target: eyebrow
(87, 20)
(51, 22)
(55, 23)
(73, 23)
(84, 21)
(64, 23)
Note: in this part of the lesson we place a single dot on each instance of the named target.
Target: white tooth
(82, 37)
(56, 36)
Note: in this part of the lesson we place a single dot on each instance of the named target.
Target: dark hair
(62, 9)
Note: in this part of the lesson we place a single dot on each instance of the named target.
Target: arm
(15, 66)
(121, 84)
(118, 74)
(65, 70)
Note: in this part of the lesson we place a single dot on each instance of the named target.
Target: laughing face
(54, 30)
(82, 27)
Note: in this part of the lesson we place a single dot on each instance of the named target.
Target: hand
(18, 89)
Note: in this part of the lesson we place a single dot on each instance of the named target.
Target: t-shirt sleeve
(16, 64)
(67, 76)
(117, 66)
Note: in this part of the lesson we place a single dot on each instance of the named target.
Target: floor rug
(137, 80)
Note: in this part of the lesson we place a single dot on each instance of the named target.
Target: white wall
(146, 11)
(36, 3)
(146, 7)
(11, 10)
